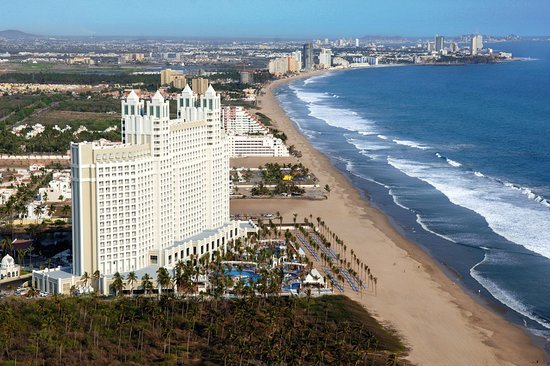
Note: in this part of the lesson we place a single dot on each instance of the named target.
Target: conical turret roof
(187, 90)
(158, 97)
(210, 90)
(132, 97)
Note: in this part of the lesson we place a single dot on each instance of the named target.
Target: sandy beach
(439, 321)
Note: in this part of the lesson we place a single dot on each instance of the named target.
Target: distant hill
(15, 34)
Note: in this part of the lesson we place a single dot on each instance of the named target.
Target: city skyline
(306, 19)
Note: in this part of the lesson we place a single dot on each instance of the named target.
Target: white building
(439, 43)
(476, 44)
(297, 55)
(369, 60)
(256, 145)
(8, 268)
(325, 58)
(59, 188)
(247, 136)
(238, 120)
(160, 196)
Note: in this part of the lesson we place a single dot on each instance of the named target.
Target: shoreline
(440, 321)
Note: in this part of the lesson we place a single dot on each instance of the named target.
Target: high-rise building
(283, 65)
(356, 42)
(199, 85)
(439, 43)
(247, 77)
(430, 46)
(453, 47)
(307, 56)
(325, 58)
(180, 82)
(160, 196)
(168, 77)
(298, 57)
(476, 44)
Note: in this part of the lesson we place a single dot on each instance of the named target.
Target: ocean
(458, 158)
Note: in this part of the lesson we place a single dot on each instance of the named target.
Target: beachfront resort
(159, 196)
(158, 202)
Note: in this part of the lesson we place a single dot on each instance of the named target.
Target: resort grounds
(438, 320)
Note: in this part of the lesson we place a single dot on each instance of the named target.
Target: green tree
(85, 277)
(163, 279)
(131, 280)
(146, 284)
(118, 283)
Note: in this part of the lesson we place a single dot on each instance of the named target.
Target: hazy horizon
(283, 19)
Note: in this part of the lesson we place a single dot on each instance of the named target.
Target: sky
(299, 19)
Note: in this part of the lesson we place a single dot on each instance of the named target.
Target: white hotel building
(160, 196)
(247, 136)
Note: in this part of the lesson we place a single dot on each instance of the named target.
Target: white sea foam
(456, 164)
(349, 165)
(363, 145)
(411, 144)
(507, 211)
(529, 193)
(336, 117)
(382, 137)
(479, 174)
(396, 200)
(506, 297)
(314, 79)
(451, 162)
(421, 222)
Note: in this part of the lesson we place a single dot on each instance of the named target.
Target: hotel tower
(160, 196)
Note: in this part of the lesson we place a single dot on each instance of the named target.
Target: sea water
(458, 157)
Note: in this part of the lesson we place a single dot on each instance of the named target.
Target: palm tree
(65, 210)
(51, 210)
(146, 284)
(163, 278)
(32, 292)
(20, 256)
(37, 211)
(29, 251)
(95, 276)
(118, 283)
(280, 222)
(85, 277)
(6, 245)
(130, 280)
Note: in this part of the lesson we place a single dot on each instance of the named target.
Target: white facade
(325, 58)
(439, 43)
(238, 120)
(59, 188)
(247, 136)
(298, 57)
(8, 268)
(256, 145)
(370, 60)
(476, 44)
(157, 195)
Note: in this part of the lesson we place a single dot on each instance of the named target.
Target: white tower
(132, 106)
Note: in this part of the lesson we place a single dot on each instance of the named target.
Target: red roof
(21, 243)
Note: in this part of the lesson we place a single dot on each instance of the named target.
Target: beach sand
(438, 320)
